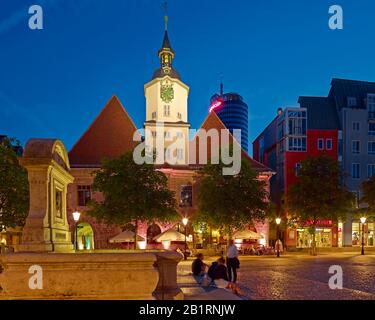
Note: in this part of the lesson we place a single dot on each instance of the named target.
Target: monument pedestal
(47, 227)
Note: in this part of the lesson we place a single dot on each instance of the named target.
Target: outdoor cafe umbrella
(170, 235)
(125, 236)
(247, 234)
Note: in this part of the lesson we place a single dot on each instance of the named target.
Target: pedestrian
(232, 261)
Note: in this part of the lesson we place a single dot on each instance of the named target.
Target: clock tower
(166, 125)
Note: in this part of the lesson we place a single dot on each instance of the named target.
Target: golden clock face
(166, 92)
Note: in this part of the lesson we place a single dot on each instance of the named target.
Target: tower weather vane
(165, 8)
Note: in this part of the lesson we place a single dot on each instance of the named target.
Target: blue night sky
(54, 82)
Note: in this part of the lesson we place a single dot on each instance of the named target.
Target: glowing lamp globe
(76, 215)
(363, 220)
(278, 220)
(185, 221)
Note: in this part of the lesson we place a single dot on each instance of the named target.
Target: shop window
(356, 234)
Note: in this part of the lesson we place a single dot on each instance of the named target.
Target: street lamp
(363, 221)
(278, 221)
(185, 222)
(76, 216)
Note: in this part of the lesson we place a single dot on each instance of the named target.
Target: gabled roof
(109, 136)
(212, 121)
(321, 113)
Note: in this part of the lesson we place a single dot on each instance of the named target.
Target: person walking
(232, 261)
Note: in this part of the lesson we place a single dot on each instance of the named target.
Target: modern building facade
(290, 138)
(233, 112)
(341, 125)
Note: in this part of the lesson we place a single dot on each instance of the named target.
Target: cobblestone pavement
(301, 277)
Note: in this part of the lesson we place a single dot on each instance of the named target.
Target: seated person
(198, 267)
(219, 274)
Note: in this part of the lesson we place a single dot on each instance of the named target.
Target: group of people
(222, 272)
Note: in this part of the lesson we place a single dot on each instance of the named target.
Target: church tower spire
(166, 54)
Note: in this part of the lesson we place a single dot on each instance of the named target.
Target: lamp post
(185, 222)
(76, 216)
(278, 221)
(363, 221)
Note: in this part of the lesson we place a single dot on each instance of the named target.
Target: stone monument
(47, 228)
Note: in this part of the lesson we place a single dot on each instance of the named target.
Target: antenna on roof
(221, 84)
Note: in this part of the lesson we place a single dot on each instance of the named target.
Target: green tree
(230, 202)
(318, 194)
(368, 189)
(14, 187)
(132, 193)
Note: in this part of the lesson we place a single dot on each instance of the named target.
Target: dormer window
(352, 102)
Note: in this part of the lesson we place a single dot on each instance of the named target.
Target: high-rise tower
(233, 112)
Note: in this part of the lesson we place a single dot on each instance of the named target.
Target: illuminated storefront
(368, 233)
(323, 237)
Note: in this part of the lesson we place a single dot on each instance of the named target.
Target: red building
(292, 136)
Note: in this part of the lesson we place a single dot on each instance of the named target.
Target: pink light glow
(215, 105)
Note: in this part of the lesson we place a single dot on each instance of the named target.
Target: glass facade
(233, 112)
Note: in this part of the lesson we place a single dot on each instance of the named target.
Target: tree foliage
(132, 193)
(231, 201)
(318, 194)
(14, 187)
(368, 188)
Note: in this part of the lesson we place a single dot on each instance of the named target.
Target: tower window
(167, 111)
(180, 154)
(153, 115)
(179, 115)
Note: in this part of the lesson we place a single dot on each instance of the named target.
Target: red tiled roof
(212, 121)
(109, 136)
